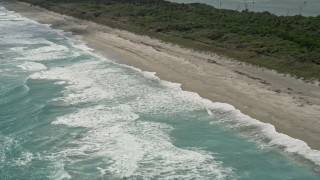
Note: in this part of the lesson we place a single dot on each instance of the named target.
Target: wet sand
(289, 104)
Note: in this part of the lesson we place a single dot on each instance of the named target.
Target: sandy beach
(289, 104)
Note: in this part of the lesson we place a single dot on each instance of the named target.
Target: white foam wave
(291, 145)
(21, 39)
(32, 66)
(25, 158)
(152, 76)
(99, 116)
(77, 42)
(19, 34)
(61, 82)
(116, 133)
(265, 130)
(60, 172)
(6, 144)
(49, 52)
(83, 87)
(136, 148)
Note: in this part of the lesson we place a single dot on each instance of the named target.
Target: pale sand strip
(291, 105)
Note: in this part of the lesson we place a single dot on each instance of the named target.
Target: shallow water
(278, 7)
(66, 113)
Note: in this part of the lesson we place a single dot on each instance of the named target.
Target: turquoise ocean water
(66, 113)
(278, 7)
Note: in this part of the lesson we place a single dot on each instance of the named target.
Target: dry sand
(291, 105)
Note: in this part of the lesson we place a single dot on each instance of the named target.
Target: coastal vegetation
(287, 44)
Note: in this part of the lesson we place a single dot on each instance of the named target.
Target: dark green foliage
(286, 44)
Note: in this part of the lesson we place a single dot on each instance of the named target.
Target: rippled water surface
(66, 113)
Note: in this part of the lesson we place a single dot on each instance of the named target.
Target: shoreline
(291, 105)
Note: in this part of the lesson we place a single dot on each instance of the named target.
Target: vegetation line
(287, 44)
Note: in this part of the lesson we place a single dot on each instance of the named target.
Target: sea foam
(290, 145)
(135, 148)
(266, 130)
(32, 66)
(115, 132)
